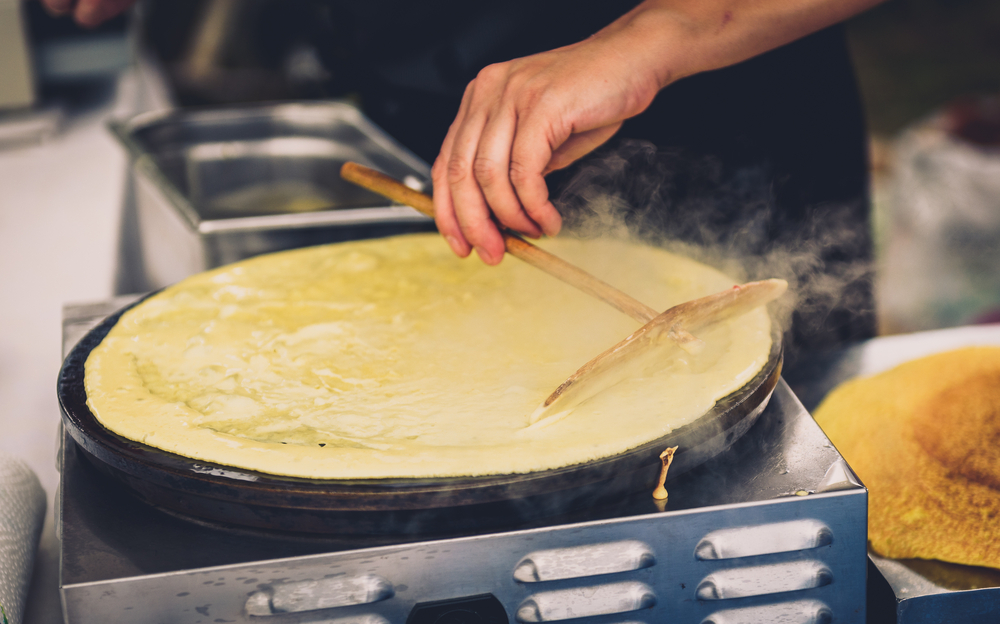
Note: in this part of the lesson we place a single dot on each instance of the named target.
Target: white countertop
(60, 206)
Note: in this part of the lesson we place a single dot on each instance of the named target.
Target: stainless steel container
(216, 186)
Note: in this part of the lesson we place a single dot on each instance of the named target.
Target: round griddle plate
(227, 495)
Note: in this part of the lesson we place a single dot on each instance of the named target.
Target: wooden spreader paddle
(607, 368)
(675, 324)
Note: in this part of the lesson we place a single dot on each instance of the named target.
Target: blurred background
(929, 73)
(73, 189)
(928, 70)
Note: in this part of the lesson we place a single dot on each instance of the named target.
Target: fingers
(492, 172)
(87, 13)
(444, 209)
(90, 13)
(529, 158)
(470, 207)
(579, 145)
(58, 8)
(456, 222)
(444, 215)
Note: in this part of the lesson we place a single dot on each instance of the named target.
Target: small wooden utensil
(688, 317)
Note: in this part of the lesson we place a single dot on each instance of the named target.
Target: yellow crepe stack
(925, 438)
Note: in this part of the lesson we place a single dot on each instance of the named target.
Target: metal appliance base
(772, 530)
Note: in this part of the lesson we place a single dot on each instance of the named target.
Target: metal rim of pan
(217, 492)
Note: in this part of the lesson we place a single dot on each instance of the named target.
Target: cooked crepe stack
(925, 438)
(393, 358)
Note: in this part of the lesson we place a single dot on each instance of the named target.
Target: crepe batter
(393, 358)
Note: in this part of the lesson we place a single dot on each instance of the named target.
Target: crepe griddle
(237, 498)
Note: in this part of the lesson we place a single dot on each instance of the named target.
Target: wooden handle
(514, 244)
(577, 277)
(385, 186)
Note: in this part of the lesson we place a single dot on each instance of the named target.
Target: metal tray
(215, 186)
(232, 496)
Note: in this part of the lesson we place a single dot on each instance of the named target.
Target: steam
(731, 220)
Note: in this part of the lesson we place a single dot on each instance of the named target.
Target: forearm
(671, 39)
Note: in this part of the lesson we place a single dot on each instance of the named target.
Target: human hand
(522, 119)
(87, 13)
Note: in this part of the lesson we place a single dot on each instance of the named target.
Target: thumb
(579, 145)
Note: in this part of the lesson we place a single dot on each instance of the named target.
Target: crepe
(394, 358)
(924, 438)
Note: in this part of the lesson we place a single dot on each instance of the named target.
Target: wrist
(666, 43)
